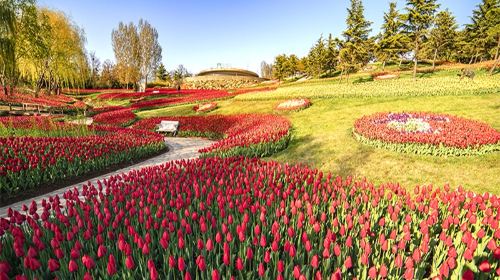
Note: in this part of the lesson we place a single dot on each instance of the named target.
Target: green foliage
(420, 18)
(427, 149)
(392, 42)
(442, 39)
(357, 46)
(285, 66)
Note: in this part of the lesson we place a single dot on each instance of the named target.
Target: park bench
(168, 126)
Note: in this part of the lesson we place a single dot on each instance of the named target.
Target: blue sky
(199, 34)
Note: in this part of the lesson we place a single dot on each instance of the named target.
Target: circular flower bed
(207, 107)
(294, 104)
(250, 219)
(427, 133)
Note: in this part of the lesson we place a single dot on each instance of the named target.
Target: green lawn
(322, 133)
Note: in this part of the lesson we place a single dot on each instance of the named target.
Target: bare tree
(127, 53)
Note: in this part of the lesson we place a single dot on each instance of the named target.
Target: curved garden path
(179, 148)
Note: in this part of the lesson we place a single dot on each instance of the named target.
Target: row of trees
(44, 49)
(421, 31)
(39, 47)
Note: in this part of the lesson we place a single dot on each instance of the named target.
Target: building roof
(228, 72)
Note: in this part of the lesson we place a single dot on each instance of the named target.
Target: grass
(322, 135)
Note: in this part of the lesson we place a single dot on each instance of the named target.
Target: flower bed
(426, 133)
(28, 162)
(59, 101)
(216, 218)
(248, 135)
(293, 104)
(207, 107)
(123, 118)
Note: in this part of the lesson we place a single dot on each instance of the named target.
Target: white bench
(168, 126)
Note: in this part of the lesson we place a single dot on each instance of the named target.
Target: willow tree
(7, 44)
(57, 58)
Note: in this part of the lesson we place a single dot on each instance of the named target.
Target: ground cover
(216, 218)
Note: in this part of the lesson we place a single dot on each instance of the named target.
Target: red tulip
(315, 261)
(348, 262)
(468, 275)
(52, 264)
(72, 266)
(215, 274)
(261, 269)
(296, 272)
(88, 262)
(200, 262)
(111, 265)
(87, 276)
(129, 262)
(180, 264)
(239, 264)
(153, 274)
(372, 272)
(485, 266)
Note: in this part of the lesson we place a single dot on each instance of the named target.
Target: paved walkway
(179, 148)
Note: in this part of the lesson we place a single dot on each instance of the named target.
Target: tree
(7, 44)
(419, 18)
(266, 70)
(480, 40)
(316, 59)
(355, 52)
(108, 77)
(442, 36)
(127, 53)
(493, 31)
(179, 74)
(161, 73)
(280, 69)
(332, 53)
(149, 50)
(95, 69)
(292, 65)
(392, 42)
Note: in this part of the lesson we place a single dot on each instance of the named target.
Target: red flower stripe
(216, 218)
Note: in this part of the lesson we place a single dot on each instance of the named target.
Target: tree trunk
(434, 60)
(496, 58)
(400, 62)
(383, 65)
(416, 59)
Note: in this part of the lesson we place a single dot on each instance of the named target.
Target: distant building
(223, 78)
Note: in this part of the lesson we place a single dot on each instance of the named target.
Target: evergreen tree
(480, 35)
(357, 46)
(442, 37)
(280, 68)
(420, 18)
(392, 42)
(161, 73)
(493, 31)
(316, 58)
(332, 53)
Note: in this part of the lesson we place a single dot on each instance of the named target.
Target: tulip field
(29, 161)
(238, 217)
(390, 179)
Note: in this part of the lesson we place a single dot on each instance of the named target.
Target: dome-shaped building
(223, 78)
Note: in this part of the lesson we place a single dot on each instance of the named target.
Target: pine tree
(161, 72)
(332, 53)
(480, 34)
(443, 36)
(316, 58)
(419, 18)
(493, 31)
(356, 49)
(392, 42)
